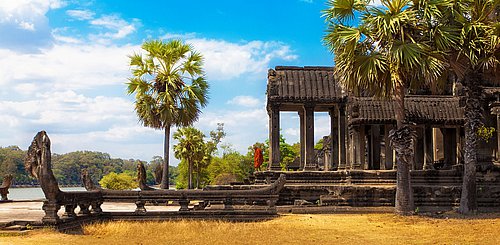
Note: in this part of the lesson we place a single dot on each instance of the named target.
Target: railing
(38, 164)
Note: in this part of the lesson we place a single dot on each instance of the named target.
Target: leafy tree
(288, 152)
(232, 166)
(122, 181)
(389, 52)
(170, 88)
(190, 148)
(474, 58)
(67, 167)
(11, 162)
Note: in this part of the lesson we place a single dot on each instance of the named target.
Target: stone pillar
(362, 146)
(449, 146)
(460, 145)
(428, 148)
(389, 163)
(302, 140)
(310, 163)
(334, 143)
(358, 147)
(342, 128)
(375, 147)
(498, 137)
(419, 149)
(274, 138)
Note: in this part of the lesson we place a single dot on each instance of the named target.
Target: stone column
(274, 138)
(310, 163)
(498, 137)
(419, 149)
(449, 146)
(460, 145)
(375, 147)
(362, 147)
(342, 128)
(302, 140)
(334, 144)
(428, 148)
(389, 163)
(358, 146)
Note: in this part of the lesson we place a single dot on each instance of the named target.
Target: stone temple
(357, 161)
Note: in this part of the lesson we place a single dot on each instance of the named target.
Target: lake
(34, 192)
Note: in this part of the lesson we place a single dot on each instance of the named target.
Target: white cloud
(67, 66)
(26, 13)
(26, 24)
(81, 14)
(226, 60)
(179, 35)
(245, 101)
(117, 27)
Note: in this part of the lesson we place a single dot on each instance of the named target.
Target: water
(31, 193)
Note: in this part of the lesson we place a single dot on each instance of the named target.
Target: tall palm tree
(190, 148)
(170, 88)
(384, 55)
(474, 61)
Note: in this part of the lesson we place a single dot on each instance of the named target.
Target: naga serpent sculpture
(38, 163)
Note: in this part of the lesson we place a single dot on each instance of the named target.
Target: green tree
(474, 61)
(122, 181)
(190, 148)
(231, 167)
(170, 88)
(288, 153)
(386, 54)
(11, 162)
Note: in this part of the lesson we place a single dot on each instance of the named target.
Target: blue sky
(63, 65)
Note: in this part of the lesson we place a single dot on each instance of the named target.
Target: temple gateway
(360, 124)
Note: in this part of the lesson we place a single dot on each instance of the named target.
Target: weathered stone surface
(4, 188)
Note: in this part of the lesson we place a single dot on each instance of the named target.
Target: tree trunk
(198, 177)
(190, 174)
(473, 110)
(164, 179)
(401, 140)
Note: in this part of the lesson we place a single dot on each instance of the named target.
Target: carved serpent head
(38, 153)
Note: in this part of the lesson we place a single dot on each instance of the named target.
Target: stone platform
(432, 189)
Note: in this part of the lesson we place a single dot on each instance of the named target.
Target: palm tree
(170, 88)
(473, 61)
(386, 54)
(190, 148)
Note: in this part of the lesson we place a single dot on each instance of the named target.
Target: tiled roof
(419, 109)
(302, 84)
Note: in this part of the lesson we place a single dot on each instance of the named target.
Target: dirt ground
(448, 228)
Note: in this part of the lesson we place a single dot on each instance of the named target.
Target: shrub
(116, 181)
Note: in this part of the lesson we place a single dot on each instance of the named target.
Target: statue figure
(158, 173)
(141, 177)
(4, 188)
(87, 181)
(38, 163)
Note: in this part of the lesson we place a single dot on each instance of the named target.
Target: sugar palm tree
(191, 148)
(384, 55)
(170, 88)
(474, 61)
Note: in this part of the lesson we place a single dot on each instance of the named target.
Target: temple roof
(314, 84)
(419, 109)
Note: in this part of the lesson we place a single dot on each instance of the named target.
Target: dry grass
(288, 229)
